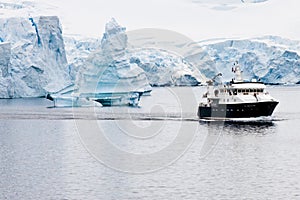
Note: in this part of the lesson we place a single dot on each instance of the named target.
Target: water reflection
(249, 128)
(257, 128)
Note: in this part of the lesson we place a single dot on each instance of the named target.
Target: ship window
(227, 109)
(251, 90)
(235, 92)
(227, 100)
(216, 92)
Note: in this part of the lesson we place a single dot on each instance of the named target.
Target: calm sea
(159, 150)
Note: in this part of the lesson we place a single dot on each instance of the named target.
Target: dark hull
(241, 110)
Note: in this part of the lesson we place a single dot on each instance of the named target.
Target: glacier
(78, 50)
(33, 59)
(271, 59)
(161, 67)
(164, 69)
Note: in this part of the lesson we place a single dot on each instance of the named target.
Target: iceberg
(33, 60)
(106, 76)
(108, 70)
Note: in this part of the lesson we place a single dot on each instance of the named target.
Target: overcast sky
(197, 19)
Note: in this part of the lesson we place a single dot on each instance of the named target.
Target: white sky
(192, 18)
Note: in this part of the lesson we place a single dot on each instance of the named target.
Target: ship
(236, 99)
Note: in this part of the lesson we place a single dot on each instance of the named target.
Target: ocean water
(159, 150)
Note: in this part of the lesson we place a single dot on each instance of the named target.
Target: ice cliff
(165, 69)
(32, 57)
(270, 59)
